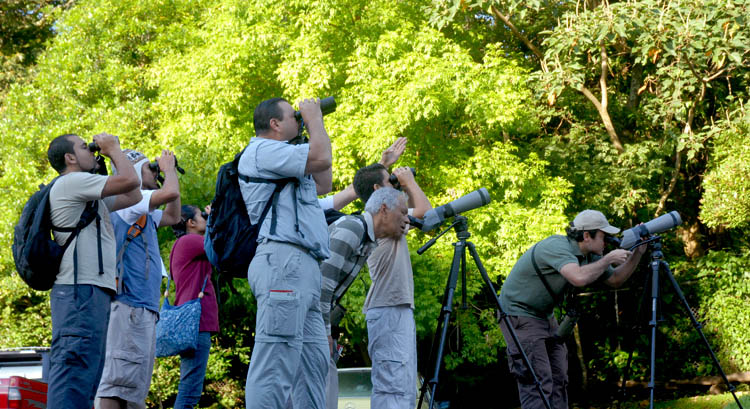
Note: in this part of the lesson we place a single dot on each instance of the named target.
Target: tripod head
(460, 224)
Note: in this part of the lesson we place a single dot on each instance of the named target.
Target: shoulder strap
(350, 282)
(555, 299)
(274, 199)
(135, 230)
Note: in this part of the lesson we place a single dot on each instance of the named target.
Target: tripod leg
(652, 324)
(508, 325)
(626, 372)
(441, 332)
(698, 327)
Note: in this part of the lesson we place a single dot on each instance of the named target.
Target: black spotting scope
(657, 225)
(435, 217)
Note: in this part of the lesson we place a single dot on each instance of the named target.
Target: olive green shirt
(523, 292)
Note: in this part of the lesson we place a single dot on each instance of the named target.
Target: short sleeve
(554, 254)
(81, 186)
(131, 214)
(283, 159)
(326, 202)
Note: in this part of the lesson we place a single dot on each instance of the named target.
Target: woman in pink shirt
(190, 268)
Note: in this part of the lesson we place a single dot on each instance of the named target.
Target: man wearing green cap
(538, 281)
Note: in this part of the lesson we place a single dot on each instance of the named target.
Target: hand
(108, 144)
(207, 209)
(618, 256)
(310, 109)
(391, 155)
(404, 175)
(166, 161)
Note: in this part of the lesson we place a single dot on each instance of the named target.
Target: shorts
(131, 349)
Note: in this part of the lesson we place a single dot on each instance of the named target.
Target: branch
(506, 20)
(672, 183)
(601, 106)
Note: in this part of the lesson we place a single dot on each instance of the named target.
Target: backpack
(231, 239)
(37, 256)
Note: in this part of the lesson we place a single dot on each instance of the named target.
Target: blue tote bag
(177, 328)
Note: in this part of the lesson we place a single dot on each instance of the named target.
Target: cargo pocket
(389, 373)
(519, 369)
(282, 316)
(126, 368)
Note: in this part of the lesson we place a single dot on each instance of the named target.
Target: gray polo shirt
(299, 222)
(523, 292)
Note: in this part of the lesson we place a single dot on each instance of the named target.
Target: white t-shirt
(67, 199)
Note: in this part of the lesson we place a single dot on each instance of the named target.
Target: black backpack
(231, 239)
(36, 254)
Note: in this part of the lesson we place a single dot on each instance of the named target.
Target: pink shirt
(189, 266)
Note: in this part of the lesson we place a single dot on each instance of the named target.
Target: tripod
(460, 224)
(658, 265)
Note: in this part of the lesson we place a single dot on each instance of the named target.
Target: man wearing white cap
(535, 285)
(131, 338)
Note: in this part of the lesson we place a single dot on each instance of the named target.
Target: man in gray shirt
(389, 306)
(574, 260)
(290, 356)
(85, 285)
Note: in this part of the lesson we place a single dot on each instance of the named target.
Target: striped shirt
(349, 250)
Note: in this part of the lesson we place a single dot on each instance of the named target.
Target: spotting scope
(657, 225)
(435, 217)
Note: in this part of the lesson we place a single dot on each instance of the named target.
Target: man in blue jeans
(84, 287)
(290, 357)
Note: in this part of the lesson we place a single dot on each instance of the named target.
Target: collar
(370, 226)
(574, 247)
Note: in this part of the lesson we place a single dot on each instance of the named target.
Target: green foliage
(725, 297)
(480, 106)
(726, 201)
(24, 314)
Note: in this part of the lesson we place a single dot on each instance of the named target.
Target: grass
(724, 401)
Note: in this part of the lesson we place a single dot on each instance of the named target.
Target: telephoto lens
(394, 179)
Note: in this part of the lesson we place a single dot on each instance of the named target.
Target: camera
(394, 179)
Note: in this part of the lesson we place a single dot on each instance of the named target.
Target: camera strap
(555, 299)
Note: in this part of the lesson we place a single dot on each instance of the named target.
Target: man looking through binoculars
(538, 282)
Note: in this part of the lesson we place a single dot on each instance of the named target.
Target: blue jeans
(192, 373)
(80, 315)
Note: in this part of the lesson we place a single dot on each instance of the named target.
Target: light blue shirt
(271, 159)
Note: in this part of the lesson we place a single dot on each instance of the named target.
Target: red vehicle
(23, 378)
(22, 393)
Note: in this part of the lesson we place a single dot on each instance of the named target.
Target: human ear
(70, 158)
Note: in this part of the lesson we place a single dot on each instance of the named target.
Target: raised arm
(125, 185)
(417, 199)
(320, 157)
(169, 193)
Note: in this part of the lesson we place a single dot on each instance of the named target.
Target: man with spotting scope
(537, 282)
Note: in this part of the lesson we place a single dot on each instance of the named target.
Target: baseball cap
(593, 220)
(137, 159)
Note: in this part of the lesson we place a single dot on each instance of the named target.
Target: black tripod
(658, 265)
(460, 224)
